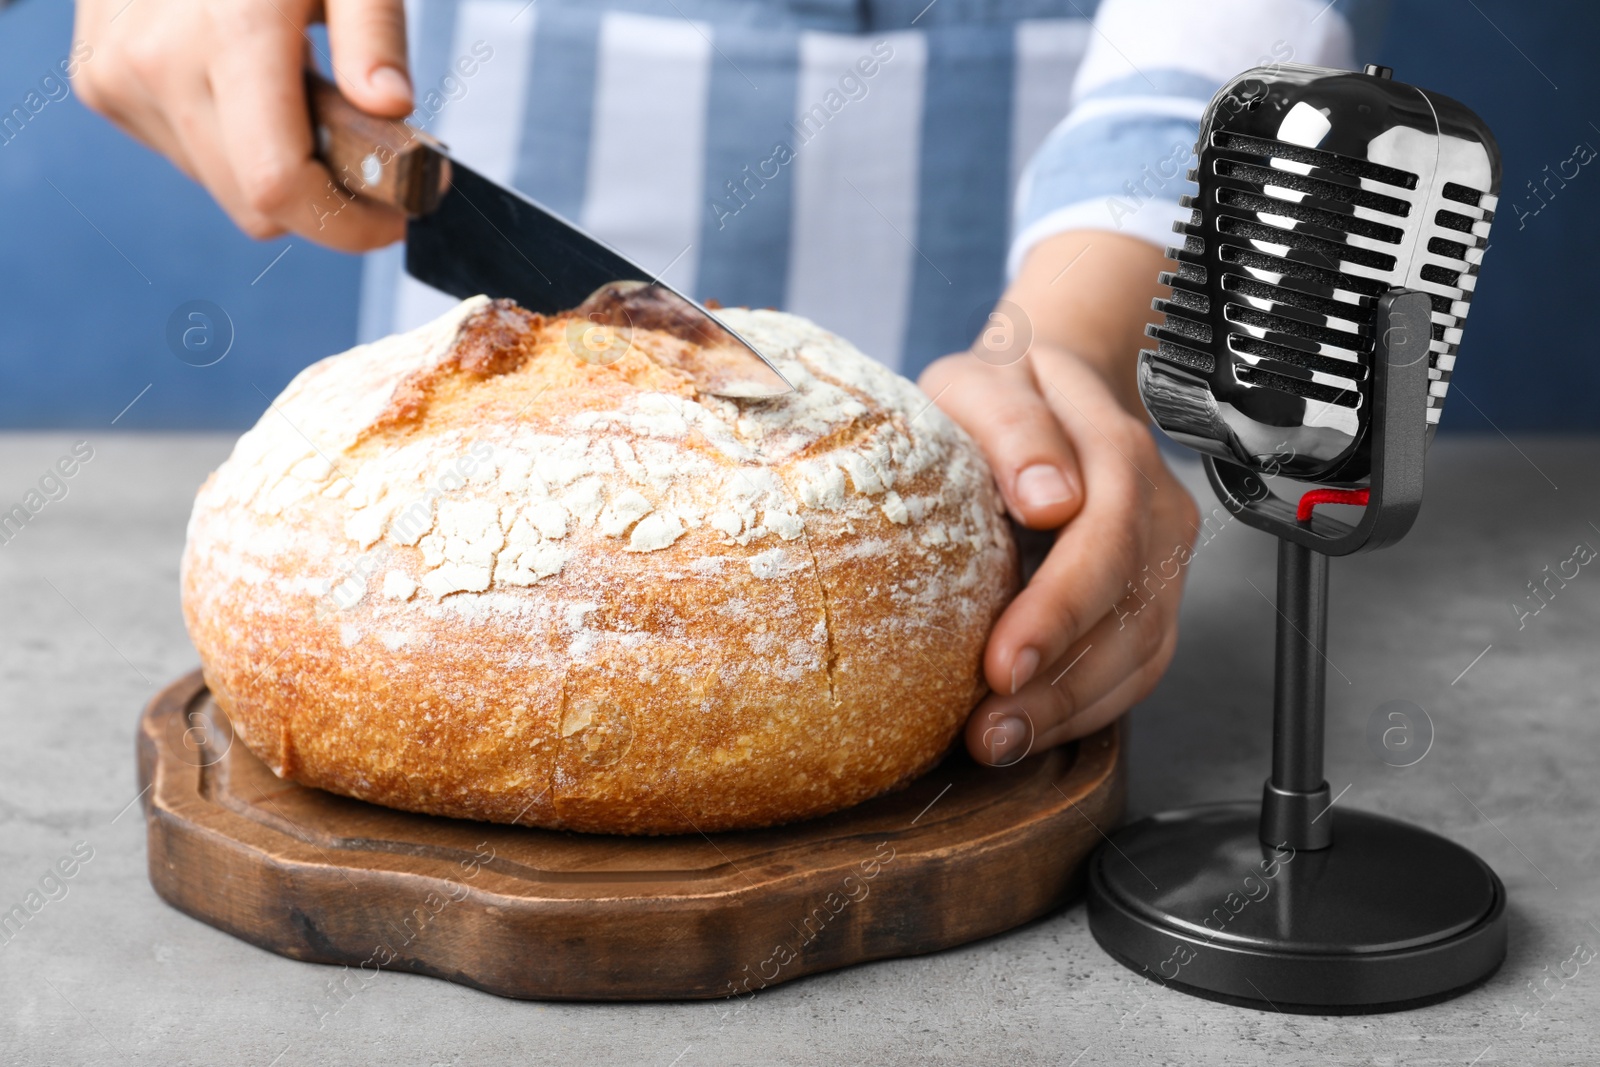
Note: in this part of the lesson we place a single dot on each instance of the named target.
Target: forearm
(1089, 292)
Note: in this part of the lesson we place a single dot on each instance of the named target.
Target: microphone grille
(1319, 191)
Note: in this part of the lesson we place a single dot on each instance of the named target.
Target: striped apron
(852, 162)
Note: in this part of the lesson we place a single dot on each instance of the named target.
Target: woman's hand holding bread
(1060, 422)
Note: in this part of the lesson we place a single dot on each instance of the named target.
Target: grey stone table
(105, 972)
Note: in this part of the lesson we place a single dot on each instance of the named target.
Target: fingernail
(391, 81)
(1004, 741)
(1041, 485)
(1022, 668)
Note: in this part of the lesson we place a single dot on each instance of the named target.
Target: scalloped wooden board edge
(962, 853)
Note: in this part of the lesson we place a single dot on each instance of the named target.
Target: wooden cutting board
(962, 853)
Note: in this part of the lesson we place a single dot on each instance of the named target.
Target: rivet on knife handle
(380, 159)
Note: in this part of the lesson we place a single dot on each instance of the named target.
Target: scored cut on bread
(504, 567)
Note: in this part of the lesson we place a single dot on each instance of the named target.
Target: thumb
(1034, 464)
(368, 40)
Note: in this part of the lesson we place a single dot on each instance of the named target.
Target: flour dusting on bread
(473, 501)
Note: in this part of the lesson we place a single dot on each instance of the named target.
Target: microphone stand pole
(1296, 797)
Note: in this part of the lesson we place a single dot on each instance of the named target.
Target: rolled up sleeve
(1119, 160)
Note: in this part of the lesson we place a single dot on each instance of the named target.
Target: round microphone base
(1390, 917)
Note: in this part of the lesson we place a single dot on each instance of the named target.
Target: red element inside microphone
(1302, 511)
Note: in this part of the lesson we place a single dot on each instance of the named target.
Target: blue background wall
(93, 265)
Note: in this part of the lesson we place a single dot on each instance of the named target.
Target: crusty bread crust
(465, 571)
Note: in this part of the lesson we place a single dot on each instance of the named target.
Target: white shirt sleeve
(1118, 161)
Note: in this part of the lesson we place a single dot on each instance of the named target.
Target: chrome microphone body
(1319, 191)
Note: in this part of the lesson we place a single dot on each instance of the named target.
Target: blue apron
(852, 162)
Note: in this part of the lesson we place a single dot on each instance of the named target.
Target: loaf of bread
(476, 571)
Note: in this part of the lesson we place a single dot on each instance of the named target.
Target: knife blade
(466, 235)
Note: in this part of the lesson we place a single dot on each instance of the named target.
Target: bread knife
(467, 235)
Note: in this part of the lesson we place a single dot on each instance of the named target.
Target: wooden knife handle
(381, 159)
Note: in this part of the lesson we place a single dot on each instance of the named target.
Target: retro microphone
(1316, 310)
